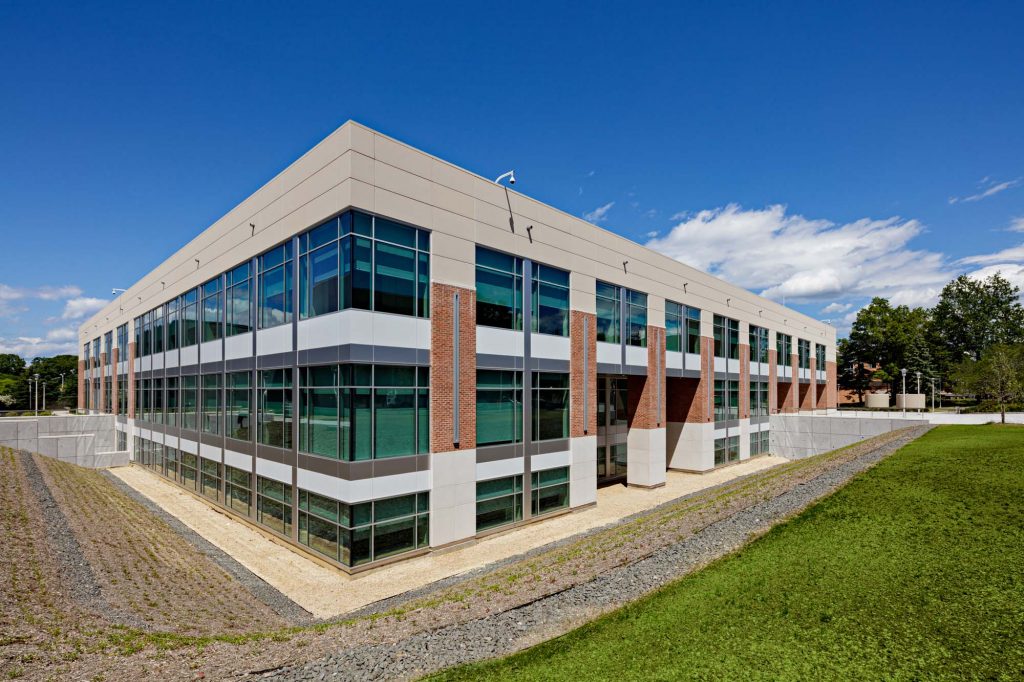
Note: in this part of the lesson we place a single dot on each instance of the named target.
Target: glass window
(171, 317)
(549, 490)
(237, 489)
(157, 317)
(275, 286)
(758, 344)
(727, 400)
(359, 412)
(693, 330)
(499, 406)
(727, 450)
(499, 289)
(108, 346)
(213, 310)
(819, 357)
(384, 266)
(674, 329)
(758, 398)
(804, 353)
(147, 336)
(156, 414)
(211, 474)
(211, 404)
(171, 400)
(360, 533)
(275, 408)
(189, 403)
(636, 316)
(499, 502)
(550, 300)
(550, 405)
(727, 337)
(783, 349)
(122, 341)
(189, 312)
(238, 301)
(238, 405)
(274, 505)
(608, 313)
(189, 470)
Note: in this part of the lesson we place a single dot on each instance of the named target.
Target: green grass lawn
(915, 570)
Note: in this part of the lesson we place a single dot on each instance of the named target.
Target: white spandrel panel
(550, 347)
(493, 341)
(609, 353)
(238, 346)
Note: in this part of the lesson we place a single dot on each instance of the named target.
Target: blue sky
(808, 151)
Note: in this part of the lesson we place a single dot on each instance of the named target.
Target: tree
(973, 315)
(998, 375)
(893, 338)
(852, 374)
(11, 364)
(50, 370)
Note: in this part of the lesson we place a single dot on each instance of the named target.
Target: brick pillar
(131, 380)
(773, 382)
(706, 387)
(744, 381)
(81, 384)
(644, 392)
(832, 386)
(442, 376)
(114, 378)
(578, 320)
(103, 382)
(814, 382)
(794, 394)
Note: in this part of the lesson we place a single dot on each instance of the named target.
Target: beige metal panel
(582, 292)
(452, 260)
(656, 311)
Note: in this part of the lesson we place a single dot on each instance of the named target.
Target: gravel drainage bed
(510, 631)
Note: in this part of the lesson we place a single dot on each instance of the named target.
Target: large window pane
(275, 408)
(550, 405)
(499, 407)
(499, 290)
(550, 300)
(395, 416)
(238, 412)
(608, 313)
(395, 281)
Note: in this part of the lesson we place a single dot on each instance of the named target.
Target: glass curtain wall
(499, 406)
(275, 408)
(609, 312)
(499, 290)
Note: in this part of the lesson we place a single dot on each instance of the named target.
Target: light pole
(44, 396)
(62, 382)
(904, 373)
(933, 394)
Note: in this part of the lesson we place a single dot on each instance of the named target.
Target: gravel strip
(76, 575)
(510, 631)
(259, 588)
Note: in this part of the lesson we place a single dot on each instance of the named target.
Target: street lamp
(904, 373)
(918, 382)
(933, 393)
(35, 403)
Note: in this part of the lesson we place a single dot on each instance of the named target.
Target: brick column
(706, 388)
(131, 380)
(814, 383)
(794, 365)
(115, 379)
(643, 407)
(773, 382)
(744, 381)
(81, 384)
(442, 376)
(103, 382)
(578, 320)
(832, 386)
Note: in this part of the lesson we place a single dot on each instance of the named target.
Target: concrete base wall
(85, 440)
(691, 446)
(795, 436)
(583, 471)
(452, 496)
(645, 456)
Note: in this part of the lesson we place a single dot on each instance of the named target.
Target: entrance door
(611, 429)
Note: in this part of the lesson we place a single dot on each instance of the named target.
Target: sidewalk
(326, 592)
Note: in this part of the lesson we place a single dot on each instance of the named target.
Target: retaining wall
(85, 440)
(796, 435)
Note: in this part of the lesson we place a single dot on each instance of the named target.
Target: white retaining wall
(85, 440)
(796, 435)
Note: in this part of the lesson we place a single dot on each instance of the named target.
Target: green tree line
(951, 342)
(17, 381)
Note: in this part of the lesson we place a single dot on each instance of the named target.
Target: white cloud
(988, 188)
(599, 214)
(836, 308)
(1016, 225)
(77, 308)
(32, 347)
(652, 234)
(1013, 254)
(8, 294)
(787, 255)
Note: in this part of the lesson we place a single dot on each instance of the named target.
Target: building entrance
(611, 429)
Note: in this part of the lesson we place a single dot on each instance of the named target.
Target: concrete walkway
(327, 592)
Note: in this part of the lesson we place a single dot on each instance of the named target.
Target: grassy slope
(914, 570)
